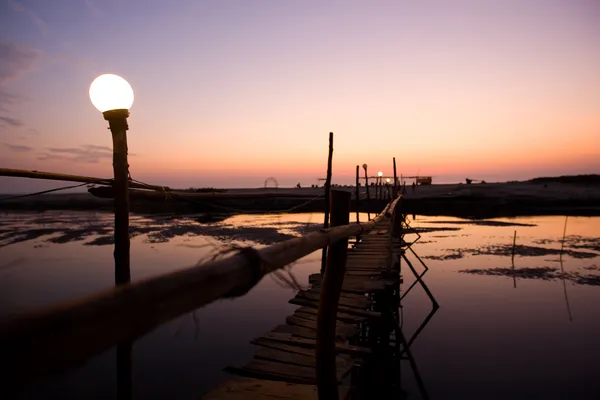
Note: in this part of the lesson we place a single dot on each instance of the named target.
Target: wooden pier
(285, 363)
(343, 341)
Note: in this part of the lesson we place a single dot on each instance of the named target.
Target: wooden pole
(117, 120)
(357, 194)
(327, 196)
(368, 197)
(124, 371)
(513, 260)
(331, 287)
(395, 231)
(395, 191)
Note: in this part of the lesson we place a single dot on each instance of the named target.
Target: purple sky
(231, 92)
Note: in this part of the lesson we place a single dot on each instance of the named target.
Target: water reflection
(488, 340)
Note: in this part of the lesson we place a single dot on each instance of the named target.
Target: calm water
(528, 331)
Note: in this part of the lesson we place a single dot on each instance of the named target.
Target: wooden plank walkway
(284, 366)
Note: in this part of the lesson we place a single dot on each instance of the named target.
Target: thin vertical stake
(513, 261)
(357, 194)
(368, 196)
(327, 197)
(395, 191)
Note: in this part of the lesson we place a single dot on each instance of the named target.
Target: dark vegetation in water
(520, 250)
(158, 229)
(531, 251)
(435, 229)
(450, 256)
(481, 222)
(575, 242)
(543, 273)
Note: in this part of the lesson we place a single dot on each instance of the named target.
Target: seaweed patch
(542, 273)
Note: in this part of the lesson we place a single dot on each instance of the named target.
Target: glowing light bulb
(111, 92)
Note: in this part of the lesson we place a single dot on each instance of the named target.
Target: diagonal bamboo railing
(20, 173)
(65, 335)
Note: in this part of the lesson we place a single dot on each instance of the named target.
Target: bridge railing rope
(63, 336)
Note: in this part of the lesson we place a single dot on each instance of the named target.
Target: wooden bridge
(286, 363)
(349, 316)
(345, 339)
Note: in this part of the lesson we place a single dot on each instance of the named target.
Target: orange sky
(228, 94)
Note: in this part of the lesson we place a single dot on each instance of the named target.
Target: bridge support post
(367, 189)
(357, 204)
(331, 286)
(327, 196)
(395, 190)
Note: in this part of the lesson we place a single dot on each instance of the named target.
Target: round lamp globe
(111, 92)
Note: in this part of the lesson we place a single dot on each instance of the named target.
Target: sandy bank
(477, 200)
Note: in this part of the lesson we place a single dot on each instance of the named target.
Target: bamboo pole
(327, 197)
(124, 371)
(19, 173)
(117, 120)
(331, 287)
(65, 335)
(357, 194)
(118, 127)
(395, 191)
(368, 197)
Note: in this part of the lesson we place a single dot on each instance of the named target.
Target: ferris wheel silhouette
(271, 180)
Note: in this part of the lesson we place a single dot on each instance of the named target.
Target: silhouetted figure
(404, 188)
(414, 187)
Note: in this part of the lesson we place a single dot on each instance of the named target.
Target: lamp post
(113, 96)
(387, 186)
(379, 175)
(368, 197)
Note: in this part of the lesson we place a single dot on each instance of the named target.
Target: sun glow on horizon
(504, 89)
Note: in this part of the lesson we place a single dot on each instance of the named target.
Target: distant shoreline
(542, 196)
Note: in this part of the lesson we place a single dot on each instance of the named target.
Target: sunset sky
(228, 93)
